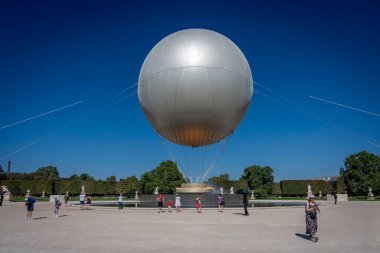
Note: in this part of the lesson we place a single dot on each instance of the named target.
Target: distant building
(331, 178)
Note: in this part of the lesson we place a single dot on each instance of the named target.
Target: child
(169, 205)
(198, 204)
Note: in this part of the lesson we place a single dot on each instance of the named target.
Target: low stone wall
(341, 197)
(188, 200)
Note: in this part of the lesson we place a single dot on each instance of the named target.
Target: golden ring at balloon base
(192, 135)
(194, 188)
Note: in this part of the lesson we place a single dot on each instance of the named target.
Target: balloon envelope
(195, 87)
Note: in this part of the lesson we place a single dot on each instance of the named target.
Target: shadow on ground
(240, 214)
(303, 236)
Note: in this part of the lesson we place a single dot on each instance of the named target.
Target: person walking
(57, 204)
(311, 209)
(220, 203)
(245, 203)
(335, 197)
(160, 202)
(198, 204)
(66, 198)
(177, 203)
(88, 202)
(120, 202)
(81, 201)
(29, 206)
(2, 192)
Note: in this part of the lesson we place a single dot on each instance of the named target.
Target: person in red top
(198, 204)
(160, 202)
(169, 205)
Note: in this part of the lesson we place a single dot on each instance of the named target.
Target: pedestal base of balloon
(194, 188)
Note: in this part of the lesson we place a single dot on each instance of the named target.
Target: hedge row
(299, 187)
(20, 187)
(37, 187)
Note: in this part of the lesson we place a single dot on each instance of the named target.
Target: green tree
(223, 180)
(3, 175)
(73, 176)
(111, 185)
(85, 176)
(49, 173)
(111, 179)
(259, 179)
(166, 177)
(362, 170)
(128, 186)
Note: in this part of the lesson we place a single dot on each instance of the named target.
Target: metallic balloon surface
(195, 87)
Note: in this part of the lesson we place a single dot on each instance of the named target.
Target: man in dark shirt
(245, 203)
(30, 206)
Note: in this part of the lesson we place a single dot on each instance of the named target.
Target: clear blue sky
(55, 53)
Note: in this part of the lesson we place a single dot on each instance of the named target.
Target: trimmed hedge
(276, 189)
(74, 187)
(299, 187)
(20, 187)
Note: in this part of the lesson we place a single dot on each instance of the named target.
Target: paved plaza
(347, 227)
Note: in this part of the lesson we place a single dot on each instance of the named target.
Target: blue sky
(55, 53)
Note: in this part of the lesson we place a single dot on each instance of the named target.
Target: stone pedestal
(60, 197)
(7, 197)
(6, 194)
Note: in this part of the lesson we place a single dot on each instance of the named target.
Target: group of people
(311, 208)
(160, 203)
(85, 201)
(198, 203)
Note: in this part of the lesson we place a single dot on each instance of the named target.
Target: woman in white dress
(177, 203)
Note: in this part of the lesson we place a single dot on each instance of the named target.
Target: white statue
(252, 195)
(156, 190)
(4, 188)
(320, 194)
(370, 194)
(136, 195)
(5, 193)
(27, 194)
(309, 189)
(83, 190)
(232, 190)
(43, 194)
(221, 190)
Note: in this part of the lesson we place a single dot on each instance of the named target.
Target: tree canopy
(128, 186)
(166, 177)
(49, 172)
(223, 180)
(362, 170)
(259, 179)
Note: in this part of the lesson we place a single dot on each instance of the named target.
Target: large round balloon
(195, 87)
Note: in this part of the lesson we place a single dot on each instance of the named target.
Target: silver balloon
(195, 87)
